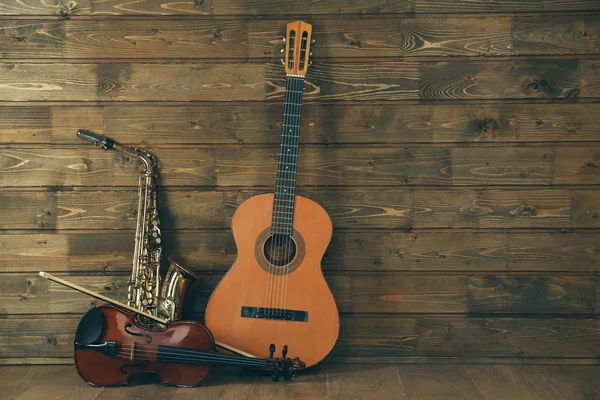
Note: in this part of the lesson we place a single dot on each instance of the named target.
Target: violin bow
(125, 306)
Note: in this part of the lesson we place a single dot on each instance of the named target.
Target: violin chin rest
(90, 327)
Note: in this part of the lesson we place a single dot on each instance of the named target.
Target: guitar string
(272, 268)
(288, 155)
(297, 94)
(277, 214)
(286, 142)
(285, 176)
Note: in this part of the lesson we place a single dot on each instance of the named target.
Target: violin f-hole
(137, 333)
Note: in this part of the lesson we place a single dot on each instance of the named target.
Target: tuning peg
(310, 54)
(282, 50)
(309, 63)
(282, 61)
(276, 376)
(271, 350)
(287, 375)
(284, 351)
(312, 40)
(283, 39)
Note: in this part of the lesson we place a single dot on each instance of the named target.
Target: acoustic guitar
(275, 296)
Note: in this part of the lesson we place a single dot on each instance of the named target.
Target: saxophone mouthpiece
(98, 140)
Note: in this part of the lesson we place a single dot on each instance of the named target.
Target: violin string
(152, 349)
(190, 354)
(194, 360)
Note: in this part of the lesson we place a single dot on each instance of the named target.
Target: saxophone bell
(173, 291)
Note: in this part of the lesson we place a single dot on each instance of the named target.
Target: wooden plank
(355, 209)
(356, 293)
(164, 39)
(514, 382)
(586, 208)
(336, 38)
(326, 7)
(358, 382)
(484, 166)
(215, 251)
(40, 211)
(563, 79)
(402, 80)
(373, 336)
(577, 165)
(86, 165)
(525, 209)
(528, 294)
(503, 6)
(202, 82)
(574, 383)
(439, 381)
(57, 8)
(246, 7)
(324, 124)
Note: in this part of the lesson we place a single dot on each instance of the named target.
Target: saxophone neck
(147, 159)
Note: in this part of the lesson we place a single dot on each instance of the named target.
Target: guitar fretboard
(285, 186)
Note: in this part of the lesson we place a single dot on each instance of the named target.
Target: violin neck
(177, 355)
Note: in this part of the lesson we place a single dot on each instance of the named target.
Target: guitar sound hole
(279, 250)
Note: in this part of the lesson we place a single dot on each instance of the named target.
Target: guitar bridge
(281, 314)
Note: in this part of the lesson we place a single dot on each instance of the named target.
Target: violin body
(112, 345)
(112, 324)
(309, 322)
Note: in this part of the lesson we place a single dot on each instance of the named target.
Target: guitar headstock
(297, 51)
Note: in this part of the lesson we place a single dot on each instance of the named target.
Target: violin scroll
(284, 366)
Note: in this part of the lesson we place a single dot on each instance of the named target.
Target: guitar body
(285, 305)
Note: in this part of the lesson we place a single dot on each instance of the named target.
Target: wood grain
(441, 381)
(508, 6)
(54, 8)
(240, 39)
(215, 251)
(521, 383)
(201, 82)
(465, 80)
(325, 124)
(251, 7)
(563, 79)
(371, 336)
(255, 7)
(356, 293)
(63, 208)
(87, 165)
(572, 384)
(577, 166)
(526, 209)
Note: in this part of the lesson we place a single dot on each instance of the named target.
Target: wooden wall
(455, 144)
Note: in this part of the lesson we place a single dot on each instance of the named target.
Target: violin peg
(287, 375)
(276, 376)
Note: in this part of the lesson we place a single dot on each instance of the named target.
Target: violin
(112, 344)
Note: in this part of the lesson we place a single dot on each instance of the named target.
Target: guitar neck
(285, 186)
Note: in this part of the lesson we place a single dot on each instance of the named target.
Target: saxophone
(145, 292)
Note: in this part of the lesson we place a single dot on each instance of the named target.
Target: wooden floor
(370, 381)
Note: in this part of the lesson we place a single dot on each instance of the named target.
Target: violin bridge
(132, 351)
